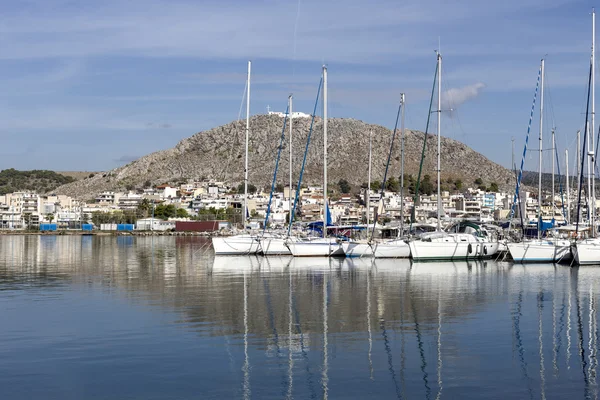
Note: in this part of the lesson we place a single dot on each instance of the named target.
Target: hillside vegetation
(41, 181)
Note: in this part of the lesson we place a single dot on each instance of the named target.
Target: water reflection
(297, 328)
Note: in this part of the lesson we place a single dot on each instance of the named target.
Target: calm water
(162, 318)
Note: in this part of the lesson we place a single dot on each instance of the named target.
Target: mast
(246, 159)
(593, 126)
(553, 152)
(324, 151)
(290, 99)
(539, 224)
(402, 167)
(439, 142)
(368, 202)
(589, 173)
(568, 193)
(578, 170)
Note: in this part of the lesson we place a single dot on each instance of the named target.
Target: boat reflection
(388, 328)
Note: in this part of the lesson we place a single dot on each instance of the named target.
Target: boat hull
(315, 248)
(235, 245)
(587, 252)
(390, 249)
(539, 251)
(460, 247)
(274, 247)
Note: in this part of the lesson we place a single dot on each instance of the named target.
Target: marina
(150, 317)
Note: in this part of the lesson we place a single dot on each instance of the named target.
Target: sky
(90, 86)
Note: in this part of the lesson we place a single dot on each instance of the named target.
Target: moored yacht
(393, 248)
(451, 246)
(540, 250)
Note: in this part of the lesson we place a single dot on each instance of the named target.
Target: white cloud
(453, 98)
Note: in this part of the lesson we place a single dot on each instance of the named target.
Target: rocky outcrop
(219, 153)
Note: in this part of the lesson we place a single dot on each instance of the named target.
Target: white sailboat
(325, 246)
(587, 251)
(244, 243)
(441, 245)
(540, 250)
(394, 248)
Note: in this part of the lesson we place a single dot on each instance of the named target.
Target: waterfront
(160, 317)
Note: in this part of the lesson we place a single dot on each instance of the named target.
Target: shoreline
(106, 233)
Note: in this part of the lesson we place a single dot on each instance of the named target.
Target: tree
(458, 184)
(182, 213)
(50, 217)
(494, 187)
(279, 188)
(147, 184)
(375, 185)
(478, 181)
(344, 186)
(251, 188)
(426, 186)
(392, 185)
(165, 212)
(144, 208)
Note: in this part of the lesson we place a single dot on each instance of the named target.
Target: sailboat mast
(589, 173)
(368, 202)
(593, 126)
(402, 166)
(568, 216)
(578, 169)
(290, 99)
(553, 156)
(246, 152)
(439, 143)
(540, 151)
(324, 151)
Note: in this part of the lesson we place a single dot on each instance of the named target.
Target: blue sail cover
(317, 226)
(544, 226)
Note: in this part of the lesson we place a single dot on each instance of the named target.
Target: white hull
(587, 252)
(274, 246)
(235, 245)
(315, 248)
(452, 247)
(540, 251)
(389, 249)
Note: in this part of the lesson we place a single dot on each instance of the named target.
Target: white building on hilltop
(295, 114)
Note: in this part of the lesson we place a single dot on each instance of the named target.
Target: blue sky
(92, 85)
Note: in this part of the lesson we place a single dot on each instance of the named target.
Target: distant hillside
(40, 181)
(218, 153)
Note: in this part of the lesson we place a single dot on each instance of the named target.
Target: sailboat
(244, 243)
(442, 245)
(272, 243)
(395, 248)
(539, 250)
(587, 251)
(323, 246)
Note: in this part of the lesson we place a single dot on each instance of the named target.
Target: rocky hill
(219, 153)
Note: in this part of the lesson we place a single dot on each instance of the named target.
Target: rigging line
(413, 212)
(387, 166)
(560, 180)
(276, 167)
(235, 128)
(583, 152)
(520, 177)
(304, 159)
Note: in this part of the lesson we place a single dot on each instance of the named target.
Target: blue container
(125, 227)
(87, 227)
(47, 227)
